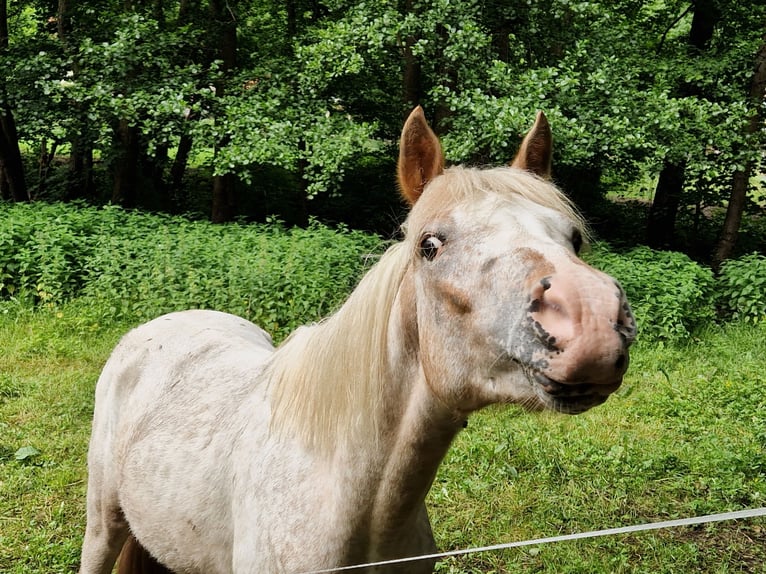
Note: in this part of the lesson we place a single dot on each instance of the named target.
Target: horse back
(149, 360)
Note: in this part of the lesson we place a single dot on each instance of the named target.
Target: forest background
(236, 155)
(233, 109)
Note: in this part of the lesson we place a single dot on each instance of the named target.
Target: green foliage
(134, 267)
(134, 75)
(42, 248)
(742, 287)
(26, 453)
(670, 294)
(316, 86)
(275, 277)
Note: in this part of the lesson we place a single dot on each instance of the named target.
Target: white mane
(327, 376)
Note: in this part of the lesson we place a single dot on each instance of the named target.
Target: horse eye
(429, 247)
(577, 241)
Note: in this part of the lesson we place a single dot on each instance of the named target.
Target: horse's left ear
(420, 156)
(536, 149)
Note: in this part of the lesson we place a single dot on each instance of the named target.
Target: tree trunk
(80, 184)
(4, 24)
(11, 166)
(152, 167)
(660, 230)
(47, 156)
(584, 187)
(185, 10)
(178, 170)
(292, 19)
(62, 22)
(706, 16)
(412, 78)
(741, 179)
(661, 225)
(158, 11)
(224, 200)
(501, 40)
(442, 112)
(5, 190)
(225, 36)
(126, 165)
(79, 180)
(10, 154)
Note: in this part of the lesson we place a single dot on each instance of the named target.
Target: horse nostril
(625, 325)
(620, 363)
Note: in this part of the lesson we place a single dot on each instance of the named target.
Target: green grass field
(684, 436)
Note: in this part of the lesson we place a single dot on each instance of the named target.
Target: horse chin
(569, 398)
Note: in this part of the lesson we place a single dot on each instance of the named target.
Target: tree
(12, 181)
(80, 181)
(742, 172)
(670, 185)
(224, 34)
(309, 90)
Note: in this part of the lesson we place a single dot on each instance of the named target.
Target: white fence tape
(736, 515)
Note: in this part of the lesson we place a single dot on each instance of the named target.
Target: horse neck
(332, 382)
(423, 436)
(421, 428)
(365, 413)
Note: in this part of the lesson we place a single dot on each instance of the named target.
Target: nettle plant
(742, 288)
(671, 295)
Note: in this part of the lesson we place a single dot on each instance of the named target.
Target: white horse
(214, 453)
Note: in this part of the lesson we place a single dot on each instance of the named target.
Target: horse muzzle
(571, 398)
(583, 328)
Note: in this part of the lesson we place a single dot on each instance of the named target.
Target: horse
(213, 452)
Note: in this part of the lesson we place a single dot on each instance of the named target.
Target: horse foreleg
(105, 535)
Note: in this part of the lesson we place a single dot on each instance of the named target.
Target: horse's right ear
(420, 156)
(536, 149)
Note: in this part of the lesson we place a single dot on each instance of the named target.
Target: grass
(47, 372)
(684, 436)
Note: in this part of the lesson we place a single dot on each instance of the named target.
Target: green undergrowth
(684, 436)
(134, 266)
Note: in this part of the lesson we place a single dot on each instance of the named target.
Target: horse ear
(536, 149)
(420, 156)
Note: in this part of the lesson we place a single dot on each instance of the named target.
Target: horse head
(503, 309)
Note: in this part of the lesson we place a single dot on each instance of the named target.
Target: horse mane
(327, 379)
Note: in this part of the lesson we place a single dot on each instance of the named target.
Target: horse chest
(301, 513)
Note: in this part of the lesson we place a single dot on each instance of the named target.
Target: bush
(742, 288)
(275, 277)
(671, 295)
(135, 266)
(42, 250)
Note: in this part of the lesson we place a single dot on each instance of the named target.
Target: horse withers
(214, 453)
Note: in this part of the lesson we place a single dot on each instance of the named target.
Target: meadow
(684, 436)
